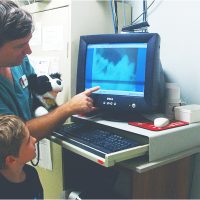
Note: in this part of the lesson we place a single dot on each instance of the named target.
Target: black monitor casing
(154, 78)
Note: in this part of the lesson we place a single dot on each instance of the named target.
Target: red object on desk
(150, 126)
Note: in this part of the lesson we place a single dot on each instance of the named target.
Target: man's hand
(82, 103)
(79, 104)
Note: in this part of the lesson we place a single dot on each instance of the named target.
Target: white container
(188, 113)
(173, 93)
(173, 99)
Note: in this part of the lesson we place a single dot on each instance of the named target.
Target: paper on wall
(45, 160)
(54, 65)
(45, 65)
(52, 38)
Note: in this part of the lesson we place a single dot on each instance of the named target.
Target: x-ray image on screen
(115, 67)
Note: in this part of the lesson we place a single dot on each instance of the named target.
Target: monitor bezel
(152, 55)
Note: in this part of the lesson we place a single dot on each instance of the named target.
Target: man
(16, 27)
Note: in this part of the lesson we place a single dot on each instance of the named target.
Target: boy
(17, 179)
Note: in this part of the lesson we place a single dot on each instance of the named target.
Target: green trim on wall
(52, 181)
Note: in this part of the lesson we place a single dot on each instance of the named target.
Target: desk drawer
(109, 159)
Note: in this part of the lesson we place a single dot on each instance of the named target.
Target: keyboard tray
(89, 152)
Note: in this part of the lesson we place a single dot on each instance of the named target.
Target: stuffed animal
(44, 90)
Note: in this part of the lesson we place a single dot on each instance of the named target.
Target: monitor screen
(126, 67)
(119, 69)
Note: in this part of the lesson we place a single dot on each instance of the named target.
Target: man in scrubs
(16, 27)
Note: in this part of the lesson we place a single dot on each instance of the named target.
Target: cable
(131, 14)
(116, 16)
(124, 11)
(143, 12)
(112, 14)
(155, 7)
(38, 155)
(113, 5)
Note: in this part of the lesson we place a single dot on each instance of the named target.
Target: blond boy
(17, 179)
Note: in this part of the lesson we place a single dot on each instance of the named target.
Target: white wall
(178, 23)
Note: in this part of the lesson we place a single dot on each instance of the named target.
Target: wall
(52, 181)
(177, 22)
(95, 25)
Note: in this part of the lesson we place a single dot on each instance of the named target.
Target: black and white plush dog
(44, 89)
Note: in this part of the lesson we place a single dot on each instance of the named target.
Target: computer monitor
(127, 67)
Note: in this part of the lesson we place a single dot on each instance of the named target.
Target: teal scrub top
(15, 97)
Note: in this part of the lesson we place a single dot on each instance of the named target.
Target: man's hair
(15, 23)
(12, 133)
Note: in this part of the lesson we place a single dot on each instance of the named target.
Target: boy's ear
(10, 160)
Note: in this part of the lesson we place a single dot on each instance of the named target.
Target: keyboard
(101, 140)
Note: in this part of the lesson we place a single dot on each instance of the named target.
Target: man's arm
(42, 126)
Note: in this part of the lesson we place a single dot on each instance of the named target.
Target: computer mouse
(161, 122)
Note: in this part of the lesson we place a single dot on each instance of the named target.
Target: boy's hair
(12, 133)
(15, 23)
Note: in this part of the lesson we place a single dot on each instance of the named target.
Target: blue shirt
(30, 188)
(17, 93)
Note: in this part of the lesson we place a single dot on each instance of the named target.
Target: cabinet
(170, 181)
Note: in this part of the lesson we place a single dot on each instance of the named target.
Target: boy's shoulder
(30, 170)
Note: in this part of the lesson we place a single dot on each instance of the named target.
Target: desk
(162, 173)
(172, 180)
